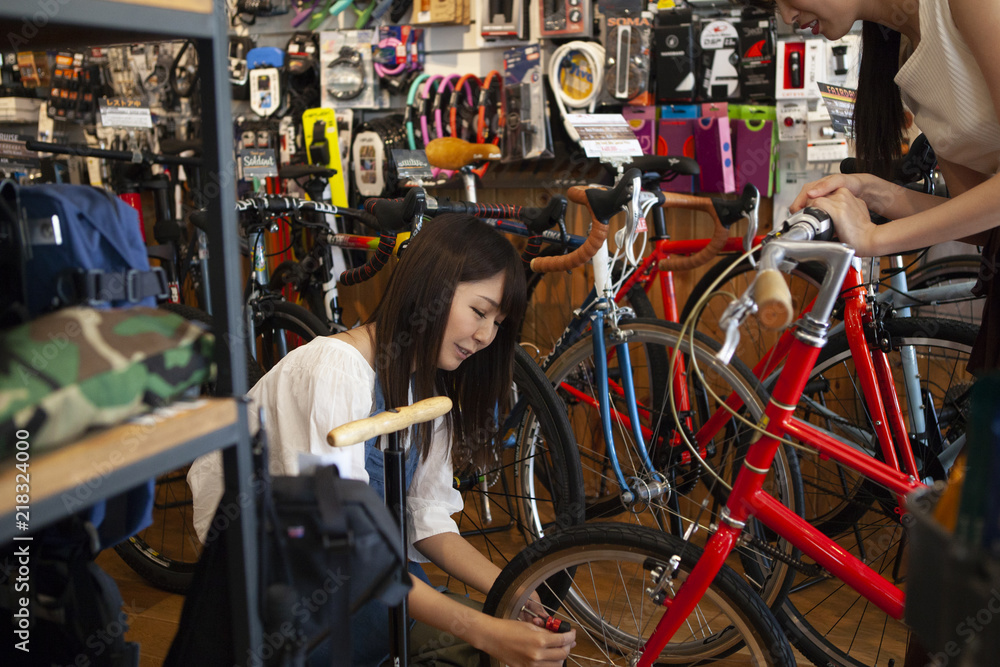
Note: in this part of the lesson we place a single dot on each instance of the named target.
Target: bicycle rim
(596, 577)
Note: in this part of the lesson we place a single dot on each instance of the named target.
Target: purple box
(676, 137)
(643, 122)
(754, 154)
(714, 147)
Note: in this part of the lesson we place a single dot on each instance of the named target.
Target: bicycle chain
(810, 570)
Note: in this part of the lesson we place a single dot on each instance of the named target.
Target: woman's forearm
(453, 554)
(893, 201)
(969, 215)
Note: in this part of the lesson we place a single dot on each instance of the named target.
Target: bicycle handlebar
(396, 215)
(719, 234)
(603, 203)
(536, 219)
(386, 244)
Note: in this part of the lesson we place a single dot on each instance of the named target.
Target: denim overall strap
(370, 623)
(374, 461)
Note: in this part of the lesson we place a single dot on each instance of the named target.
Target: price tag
(259, 162)
(411, 165)
(124, 112)
(605, 135)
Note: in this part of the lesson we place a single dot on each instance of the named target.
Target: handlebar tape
(719, 235)
(386, 244)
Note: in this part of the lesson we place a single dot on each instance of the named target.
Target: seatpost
(395, 499)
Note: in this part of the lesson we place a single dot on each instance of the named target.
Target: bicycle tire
(861, 515)
(166, 553)
(280, 327)
(949, 270)
(691, 485)
(537, 486)
(569, 566)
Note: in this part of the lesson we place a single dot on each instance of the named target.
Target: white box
(812, 56)
(19, 109)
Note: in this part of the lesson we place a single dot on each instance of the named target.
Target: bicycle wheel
(755, 341)
(695, 492)
(859, 514)
(949, 271)
(596, 578)
(537, 486)
(281, 327)
(166, 553)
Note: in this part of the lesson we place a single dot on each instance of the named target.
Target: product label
(124, 112)
(258, 162)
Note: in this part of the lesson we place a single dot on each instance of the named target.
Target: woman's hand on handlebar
(875, 192)
(851, 219)
(521, 644)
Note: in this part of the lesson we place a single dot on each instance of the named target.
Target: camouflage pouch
(78, 367)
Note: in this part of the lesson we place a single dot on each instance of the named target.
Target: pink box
(676, 137)
(713, 144)
(643, 122)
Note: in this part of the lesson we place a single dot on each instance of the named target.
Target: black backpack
(326, 546)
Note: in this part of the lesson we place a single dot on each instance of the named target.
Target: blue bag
(78, 245)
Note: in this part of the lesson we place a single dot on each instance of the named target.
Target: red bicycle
(643, 596)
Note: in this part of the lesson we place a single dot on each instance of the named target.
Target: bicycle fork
(645, 491)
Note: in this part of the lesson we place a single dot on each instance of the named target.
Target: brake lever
(732, 319)
(752, 226)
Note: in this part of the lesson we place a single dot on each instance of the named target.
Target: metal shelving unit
(220, 423)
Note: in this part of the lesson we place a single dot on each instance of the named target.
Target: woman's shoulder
(325, 355)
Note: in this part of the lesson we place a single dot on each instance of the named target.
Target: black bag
(327, 546)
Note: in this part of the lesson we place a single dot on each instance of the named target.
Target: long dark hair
(878, 113)
(410, 322)
(879, 120)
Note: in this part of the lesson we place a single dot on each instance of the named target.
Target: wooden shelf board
(81, 466)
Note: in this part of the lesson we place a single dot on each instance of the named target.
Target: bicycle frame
(747, 497)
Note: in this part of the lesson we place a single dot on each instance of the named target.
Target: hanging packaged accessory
(348, 71)
(266, 87)
(347, 75)
(564, 18)
(575, 74)
(303, 91)
(239, 71)
(321, 135)
(627, 50)
(374, 169)
(503, 19)
(525, 113)
(247, 11)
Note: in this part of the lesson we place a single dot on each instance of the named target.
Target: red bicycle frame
(748, 498)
